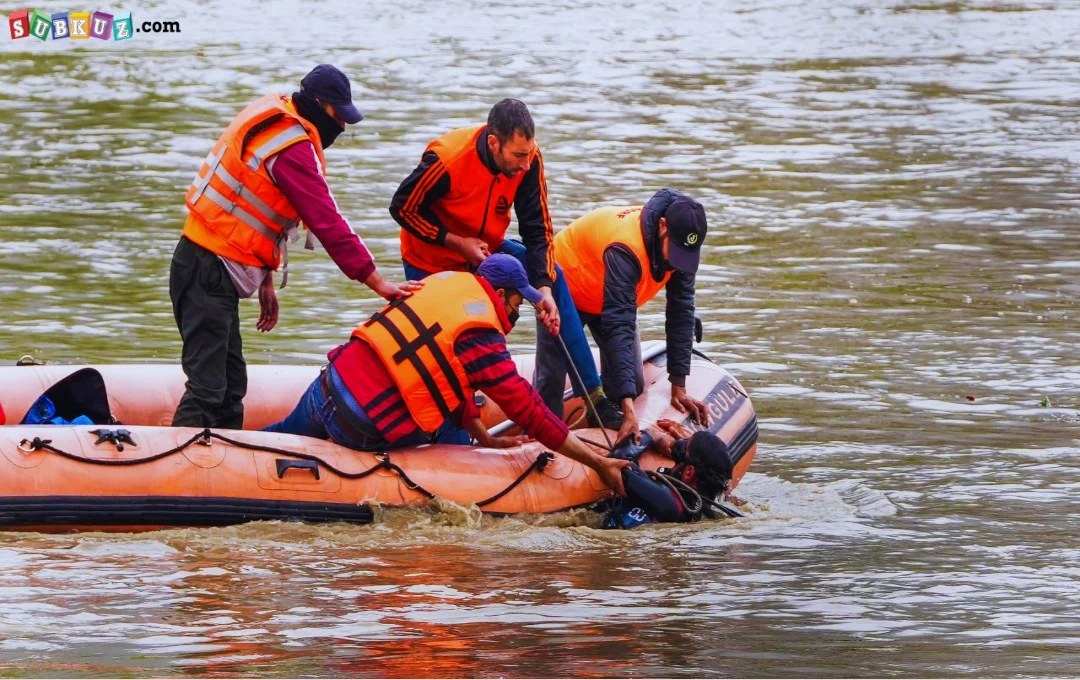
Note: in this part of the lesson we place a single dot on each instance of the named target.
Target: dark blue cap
(504, 271)
(329, 84)
(686, 227)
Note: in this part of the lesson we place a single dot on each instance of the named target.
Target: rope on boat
(203, 438)
(539, 464)
(592, 443)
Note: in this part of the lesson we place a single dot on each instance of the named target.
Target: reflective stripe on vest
(271, 147)
(213, 162)
(256, 202)
(202, 187)
(241, 214)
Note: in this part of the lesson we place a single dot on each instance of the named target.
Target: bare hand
(610, 471)
(268, 305)
(676, 430)
(608, 468)
(547, 311)
(684, 403)
(504, 442)
(473, 249)
(662, 442)
(391, 290)
(629, 425)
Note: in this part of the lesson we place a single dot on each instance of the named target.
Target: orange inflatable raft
(142, 475)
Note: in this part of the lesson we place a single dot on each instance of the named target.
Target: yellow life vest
(579, 250)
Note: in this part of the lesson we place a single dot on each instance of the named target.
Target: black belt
(343, 417)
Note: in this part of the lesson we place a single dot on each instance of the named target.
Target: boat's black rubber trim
(166, 511)
(743, 440)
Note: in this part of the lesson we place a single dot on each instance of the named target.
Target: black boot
(611, 416)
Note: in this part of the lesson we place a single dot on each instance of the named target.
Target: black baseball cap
(711, 458)
(329, 84)
(686, 227)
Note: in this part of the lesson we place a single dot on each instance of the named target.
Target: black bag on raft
(79, 397)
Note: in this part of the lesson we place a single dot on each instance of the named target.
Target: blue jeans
(550, 384)
(316, 415)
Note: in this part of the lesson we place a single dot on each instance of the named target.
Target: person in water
(410, 371)
(614, 260)
(454, 211)
(702, 473)
(262, 178)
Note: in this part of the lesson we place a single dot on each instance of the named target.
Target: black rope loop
(538, 465)
(39, 444)
(301, 455)
(409, 483)
(206, 436)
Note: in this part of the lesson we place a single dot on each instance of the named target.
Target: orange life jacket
(478, 203)
(414, 337)
(235, 208)
(579, 250)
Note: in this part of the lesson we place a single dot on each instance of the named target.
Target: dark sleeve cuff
(679, 380)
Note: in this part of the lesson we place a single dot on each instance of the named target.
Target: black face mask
(309, 108)
(513, 316)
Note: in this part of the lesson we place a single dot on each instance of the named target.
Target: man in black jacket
(615, 260)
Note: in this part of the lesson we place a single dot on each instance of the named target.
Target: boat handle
(284, 464)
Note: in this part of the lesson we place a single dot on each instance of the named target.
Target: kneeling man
(410, 371)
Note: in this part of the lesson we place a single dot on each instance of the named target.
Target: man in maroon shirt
(207, 281)
(358, 403)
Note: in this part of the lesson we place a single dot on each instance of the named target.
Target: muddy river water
(891, 271)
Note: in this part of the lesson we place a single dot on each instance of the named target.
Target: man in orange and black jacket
(454, 211)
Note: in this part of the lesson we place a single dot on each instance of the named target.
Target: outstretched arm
(296, 171)
(479, 432)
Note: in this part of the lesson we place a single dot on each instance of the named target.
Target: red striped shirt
(488, 368)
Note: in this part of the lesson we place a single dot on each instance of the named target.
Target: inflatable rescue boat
(129, 471)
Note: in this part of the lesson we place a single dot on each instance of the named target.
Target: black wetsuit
(647, 502)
